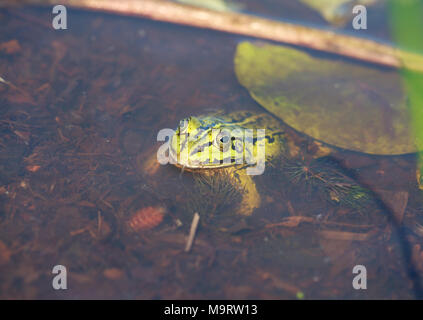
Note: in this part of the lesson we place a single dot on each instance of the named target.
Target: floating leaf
(341, 103)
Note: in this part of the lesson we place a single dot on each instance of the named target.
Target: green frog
(235, 143)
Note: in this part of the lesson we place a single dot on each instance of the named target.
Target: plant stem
(248, 25)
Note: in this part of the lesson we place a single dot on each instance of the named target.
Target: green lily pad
(344, 104)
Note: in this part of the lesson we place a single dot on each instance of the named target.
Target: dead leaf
(417, 257)
(4, 253)
(341, 254)
(278, 283)
(291, 222)
(147, 162)
(396, 201)
(33, 168)
(19, 97)
(113, 273)
(334, 249)
(344, 235)
(84, 203)
(10, 47)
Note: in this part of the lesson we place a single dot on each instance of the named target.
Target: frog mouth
(192, 164)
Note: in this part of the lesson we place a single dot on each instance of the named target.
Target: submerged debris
(10, 47)
(192, 232)
(146, 218)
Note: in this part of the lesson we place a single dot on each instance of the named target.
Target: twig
(11, 85)
(99, 221)
(248, 25)
(31, 19)
(192, 232)
(4, 81)
(345, 235)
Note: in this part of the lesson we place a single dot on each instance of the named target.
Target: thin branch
(192, 232)
(248, 25)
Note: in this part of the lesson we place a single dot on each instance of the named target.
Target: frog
(220, 142)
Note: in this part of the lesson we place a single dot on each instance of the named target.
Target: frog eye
(223, 140)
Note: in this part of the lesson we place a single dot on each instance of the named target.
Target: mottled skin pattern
(205, 144)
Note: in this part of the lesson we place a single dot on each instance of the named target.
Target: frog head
(210, 142)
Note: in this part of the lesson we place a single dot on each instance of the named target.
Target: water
(77, 131)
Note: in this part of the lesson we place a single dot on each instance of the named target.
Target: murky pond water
(78, 123)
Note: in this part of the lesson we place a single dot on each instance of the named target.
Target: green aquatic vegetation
(407, 26)
(213, 194)
(350, 195)
(323, 176)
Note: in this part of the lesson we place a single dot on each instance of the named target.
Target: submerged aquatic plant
(213, 193)
(323, 175)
